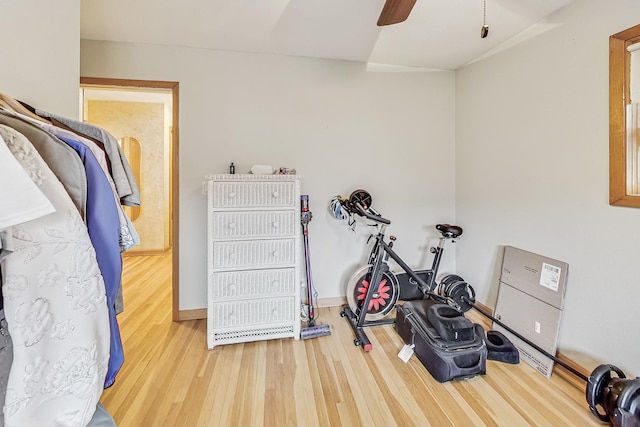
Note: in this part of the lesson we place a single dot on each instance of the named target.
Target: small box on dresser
(254, 258)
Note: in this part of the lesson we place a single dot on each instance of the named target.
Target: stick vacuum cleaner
(312, 330)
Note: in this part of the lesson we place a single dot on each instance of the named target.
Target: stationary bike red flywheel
(383, 299)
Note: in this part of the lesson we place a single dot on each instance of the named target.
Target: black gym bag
(444, 340)
(409, 289)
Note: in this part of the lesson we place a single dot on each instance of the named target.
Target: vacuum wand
(305, 218)
(312, 330)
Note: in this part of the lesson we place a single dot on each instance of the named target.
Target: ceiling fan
(395, 11)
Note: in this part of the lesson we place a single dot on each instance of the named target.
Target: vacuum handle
(377, 218)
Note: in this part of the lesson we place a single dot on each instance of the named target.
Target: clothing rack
(62, 232)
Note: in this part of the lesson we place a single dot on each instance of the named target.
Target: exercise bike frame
(378, 258)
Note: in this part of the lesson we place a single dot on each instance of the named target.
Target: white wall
(531, 132)
(532, 171)
(340, 126)
(40, 53)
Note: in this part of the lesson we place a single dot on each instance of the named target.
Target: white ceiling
(439, 34)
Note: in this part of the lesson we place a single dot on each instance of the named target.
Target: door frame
(174, 168)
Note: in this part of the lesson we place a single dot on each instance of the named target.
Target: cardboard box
(530, 301)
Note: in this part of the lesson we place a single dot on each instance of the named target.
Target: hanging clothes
(6, 359)
(128, 235)
(123, 177)
(59, 157)
(22, 200)
(56, 308)
(84, 168)
(103, 225)
(121, 170)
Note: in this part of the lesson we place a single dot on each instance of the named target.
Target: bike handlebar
(377, 218)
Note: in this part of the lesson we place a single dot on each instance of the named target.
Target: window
(624, 118)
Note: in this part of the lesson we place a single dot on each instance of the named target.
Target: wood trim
(147, 252)
(570, 377)
(616, 121)
(628, 34)
(619, 67)
(107, 82)
(174, 167)
(485, 308)
(197, 313)
(175, 205)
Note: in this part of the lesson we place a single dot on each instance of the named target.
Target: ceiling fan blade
(395, 11)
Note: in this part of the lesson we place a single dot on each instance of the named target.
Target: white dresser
(254, 258)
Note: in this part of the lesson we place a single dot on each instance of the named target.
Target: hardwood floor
(169, 378)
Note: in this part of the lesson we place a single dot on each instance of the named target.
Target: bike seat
(449, 231)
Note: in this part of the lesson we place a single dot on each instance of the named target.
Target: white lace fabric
(55, 307)
(21, 199)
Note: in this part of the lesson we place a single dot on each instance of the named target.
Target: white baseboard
(331, 302)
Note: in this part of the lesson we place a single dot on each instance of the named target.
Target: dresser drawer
(252, 284)
(253, 254)
(233, 225)
(254, 194)
(235, 314)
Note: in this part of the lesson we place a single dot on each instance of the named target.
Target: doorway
(143, 116)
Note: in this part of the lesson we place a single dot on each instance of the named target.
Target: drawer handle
(232, 255)
(232, 195)
(232, 287)
(275, 253)
(275, 194)
(274, 311)
(232, 225)
(275, 283)
(232, 316)
(275, 224)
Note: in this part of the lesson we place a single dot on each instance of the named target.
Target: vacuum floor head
(315, 331)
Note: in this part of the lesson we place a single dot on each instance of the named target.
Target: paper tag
(406, 352)
(550, 276)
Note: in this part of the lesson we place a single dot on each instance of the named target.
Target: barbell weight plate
(596, 387)
(462, 294)
(360, 196)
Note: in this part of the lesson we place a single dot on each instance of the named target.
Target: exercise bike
(373, 290)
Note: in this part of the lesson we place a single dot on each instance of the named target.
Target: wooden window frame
(619, 96)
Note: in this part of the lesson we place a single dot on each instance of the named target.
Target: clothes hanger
(12, 104)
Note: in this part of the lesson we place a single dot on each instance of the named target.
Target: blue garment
(103, 224)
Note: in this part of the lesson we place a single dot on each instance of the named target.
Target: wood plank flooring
(169, 378)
